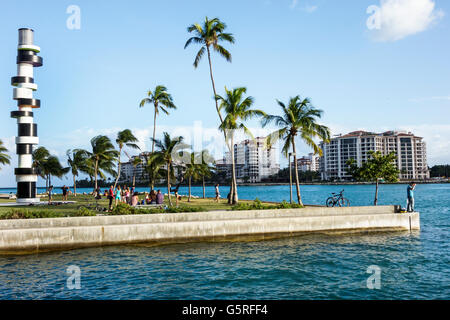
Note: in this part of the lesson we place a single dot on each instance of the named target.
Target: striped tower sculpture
(27, 59)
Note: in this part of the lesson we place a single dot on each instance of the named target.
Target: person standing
(410, 197)
(217, 193)
(118, 195)
(64, 192)
(110, 197)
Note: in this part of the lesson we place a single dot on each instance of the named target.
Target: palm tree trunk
(204, 193)
(297, 184)
(119, 165)
(189, 198)
(213, 85)
(74, 185)
(95, 173)
(154, 128)
(134, 179)
(168, 183)
(375, 202)
(233, 196)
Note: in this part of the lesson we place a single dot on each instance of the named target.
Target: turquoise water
(413, 265)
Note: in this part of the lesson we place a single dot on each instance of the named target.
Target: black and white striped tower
(27, 59)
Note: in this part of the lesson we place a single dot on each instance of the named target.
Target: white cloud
(397, 19)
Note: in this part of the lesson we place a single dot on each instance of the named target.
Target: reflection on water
(413, 265)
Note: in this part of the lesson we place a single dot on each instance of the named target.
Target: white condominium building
(410, 150)
(308, 163)
(254, 161)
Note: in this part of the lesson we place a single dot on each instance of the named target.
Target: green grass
(71, 210)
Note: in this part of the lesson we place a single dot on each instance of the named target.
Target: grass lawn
(71, 209)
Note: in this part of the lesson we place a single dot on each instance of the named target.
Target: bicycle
(338, 200)
(93, 206)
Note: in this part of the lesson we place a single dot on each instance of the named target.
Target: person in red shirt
(110, 196)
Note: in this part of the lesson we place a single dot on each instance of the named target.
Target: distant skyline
(368, 64)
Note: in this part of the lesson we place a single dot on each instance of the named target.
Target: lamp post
(290, 176)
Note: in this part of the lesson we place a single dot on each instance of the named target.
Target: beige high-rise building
(410, 150)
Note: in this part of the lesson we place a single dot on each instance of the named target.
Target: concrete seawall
(34, 235)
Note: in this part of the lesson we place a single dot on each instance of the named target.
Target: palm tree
(39, 156)
(237, 110)
(206, 168)
(77, 163)
(194, 169)
(47, 165)
(102, 157)
(124, 138)
(4, 157)
(208, 36)
(167, 148)
(135, 162)
(299, 118)
(154, 168)
(161, 101)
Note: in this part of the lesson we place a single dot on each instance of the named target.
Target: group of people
(129, 196)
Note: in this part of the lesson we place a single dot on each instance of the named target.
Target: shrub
(258, 205)
(84, 212)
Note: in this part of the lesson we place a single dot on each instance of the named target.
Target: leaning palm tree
(237, 110)
(76, 160)
(208, 35)
(102, 157)
(161, 100)
(124, 138)
(4, 157)
(167, 149)
(299, 118)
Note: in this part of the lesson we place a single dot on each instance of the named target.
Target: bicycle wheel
(330, 202)
(343, 202)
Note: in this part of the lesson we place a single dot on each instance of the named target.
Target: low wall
(34, 235)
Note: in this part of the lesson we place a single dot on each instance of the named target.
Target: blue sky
(393, 77)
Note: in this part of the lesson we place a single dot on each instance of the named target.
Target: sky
(368, 64)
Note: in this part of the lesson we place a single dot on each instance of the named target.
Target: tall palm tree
(299, 118)
(76, 160)
(124, 138)
(167, 148)
(209, 35)
(237, 110)
(4, 157)
(102, 157)
(161, 100)
(135, 162)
